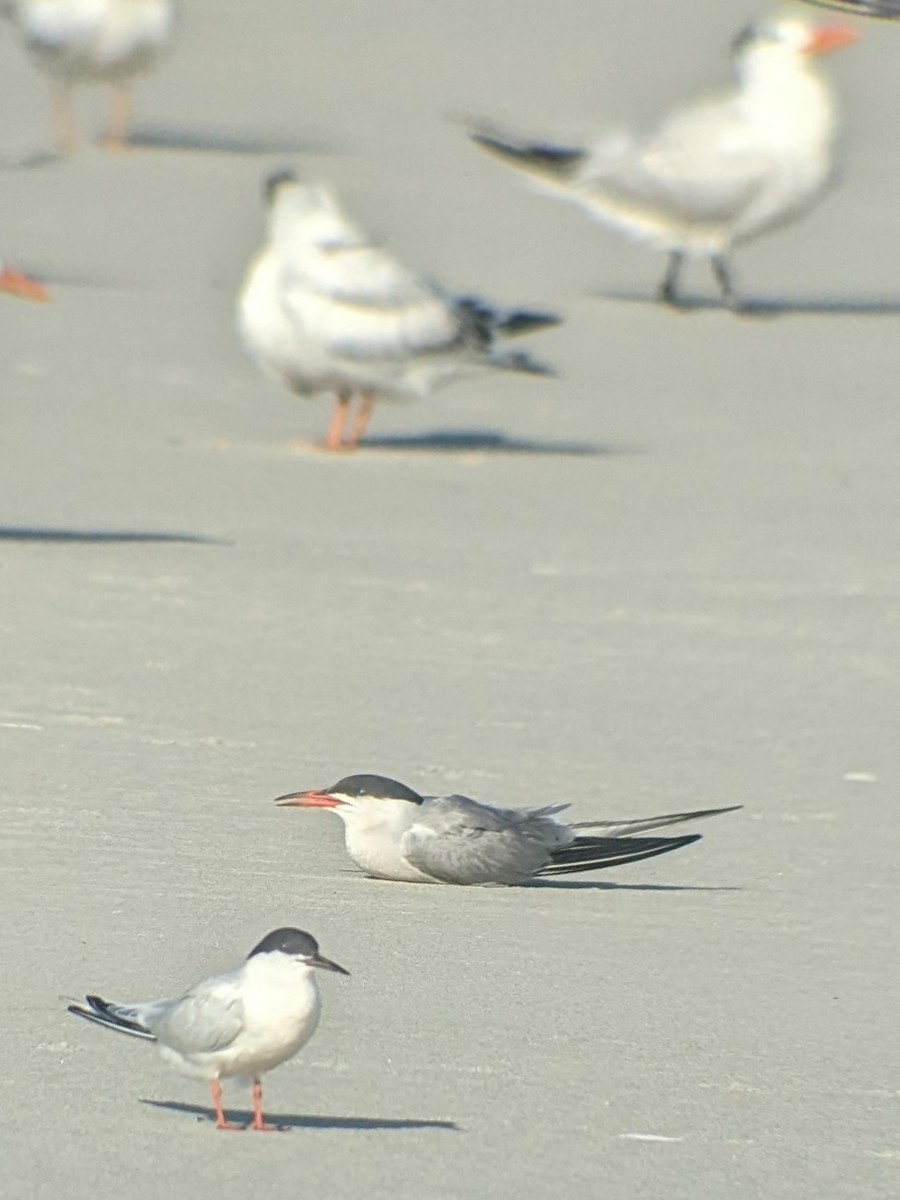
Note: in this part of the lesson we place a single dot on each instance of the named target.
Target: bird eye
(362, 792)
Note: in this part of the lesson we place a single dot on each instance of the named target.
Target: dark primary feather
(593, 853)
(487, 320)
(558, 162)
(103, 1012)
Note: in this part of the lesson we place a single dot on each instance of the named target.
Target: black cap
(274, 182)
(294, 942)
(378, 786)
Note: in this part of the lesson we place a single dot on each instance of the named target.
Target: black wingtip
(524, 321)
(518, 150)
(596, 853)
(99, 1011)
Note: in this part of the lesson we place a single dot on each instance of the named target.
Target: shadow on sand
(485, 441)
(213, 140)
(26, 533)
(196, 140)
(829, 306)
(289, 1121)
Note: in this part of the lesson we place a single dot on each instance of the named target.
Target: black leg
(722, 272)
(668, 291)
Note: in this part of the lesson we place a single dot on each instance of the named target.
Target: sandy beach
(668, 580)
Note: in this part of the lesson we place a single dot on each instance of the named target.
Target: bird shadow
(834, 306)
(25, 533)
(586, 885)
(218, 140)
(486, 441)
(191, 140)
(292, 1121)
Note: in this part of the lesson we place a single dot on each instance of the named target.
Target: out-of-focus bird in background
(83, 42)
(17, 283)
(325, 310)
(716, 173)
(240, 1024)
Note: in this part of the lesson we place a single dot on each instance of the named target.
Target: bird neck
(785, 93)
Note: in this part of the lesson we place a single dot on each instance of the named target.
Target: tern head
(352, 794)
(303, 211)
(273, 183)
(295, 945)
(791, 37)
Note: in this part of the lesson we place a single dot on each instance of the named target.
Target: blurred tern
(715, 174)
(323, 309)
(108, 42)
(242, 1023)
(17, 283)
(391, 832)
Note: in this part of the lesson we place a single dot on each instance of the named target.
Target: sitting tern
(392, 832)
(714, 174)
(109, 42)
(242, 1023)
(325, 310)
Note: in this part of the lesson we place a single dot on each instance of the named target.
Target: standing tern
(391, 832)
(109, 42)
(242, 1023)
(324, 309)
(714, 174)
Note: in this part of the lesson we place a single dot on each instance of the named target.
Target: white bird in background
(240, 1024)
(323, 309)
(109, 42)
(714, 174)
(391, 832)
(17, 283)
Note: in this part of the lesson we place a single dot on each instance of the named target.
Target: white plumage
(325, 310)
(83, 42)
(714, 174)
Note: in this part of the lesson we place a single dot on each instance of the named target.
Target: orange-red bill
(307, 800)
(826, 38)
(17, 283)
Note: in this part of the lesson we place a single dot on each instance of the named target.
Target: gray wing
(208, 1017)
(458, 840)
(701, 166)
(357, 301)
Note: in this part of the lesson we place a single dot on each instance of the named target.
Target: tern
(17, 283)
(391, 832)
(109, 42)
(242, 1023)
(324, 310)
(714, 174)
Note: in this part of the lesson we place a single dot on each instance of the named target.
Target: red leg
(64, 120)
(119, 119)
(222, 1121)
(259, 1121)
(336, 428)
(363, 413)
